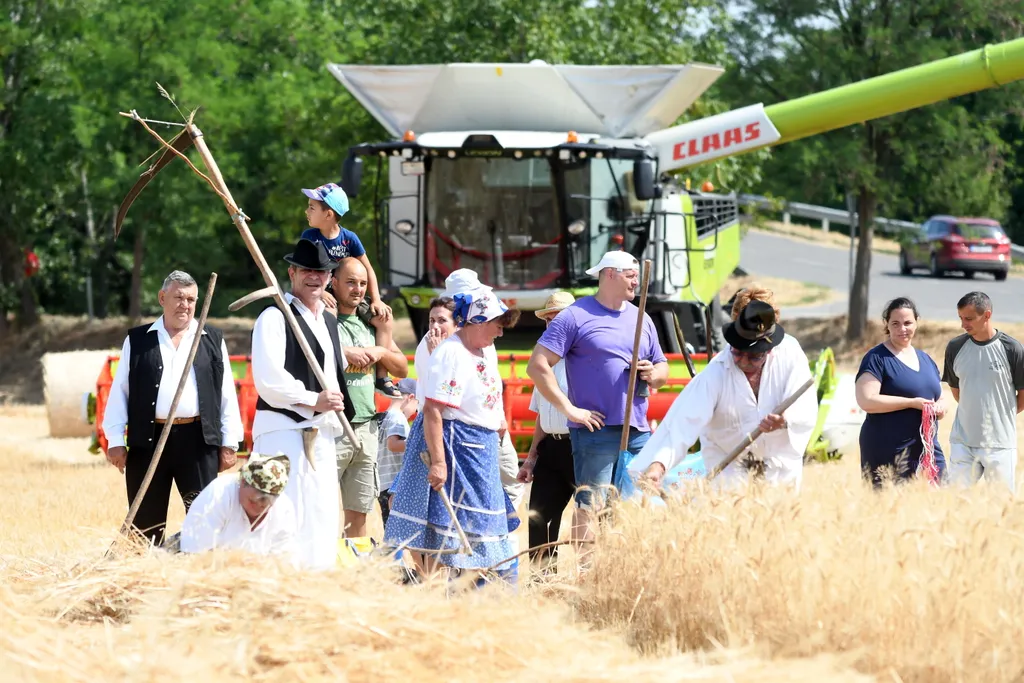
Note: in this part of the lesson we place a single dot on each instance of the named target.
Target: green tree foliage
(37, 41)
(945, 158)
(273, 116)
(563, 32)
(277, 121)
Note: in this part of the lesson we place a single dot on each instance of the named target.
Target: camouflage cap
(267, 474)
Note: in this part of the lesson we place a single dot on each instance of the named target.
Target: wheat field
(838, 584)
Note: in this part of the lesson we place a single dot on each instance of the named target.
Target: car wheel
(904, 264)
(934, 264)
(1001, 274)
(969, 274)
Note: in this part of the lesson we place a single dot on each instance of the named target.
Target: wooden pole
(238, 218)
(631, 387)
(466, 547)
(159, 450)
(755, 433)
(709, 333)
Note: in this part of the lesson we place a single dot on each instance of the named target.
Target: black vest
(145, 372)
(296, 365)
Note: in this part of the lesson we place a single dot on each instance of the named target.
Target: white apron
(313, 493)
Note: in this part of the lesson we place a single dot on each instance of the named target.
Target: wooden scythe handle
(631, 387)
(755, 433)
(268, 275)
(463, 539)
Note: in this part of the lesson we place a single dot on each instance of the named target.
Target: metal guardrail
(829, 215)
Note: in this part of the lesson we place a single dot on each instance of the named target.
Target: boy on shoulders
(326, 205)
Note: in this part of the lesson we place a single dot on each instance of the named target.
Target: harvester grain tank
(528, 173)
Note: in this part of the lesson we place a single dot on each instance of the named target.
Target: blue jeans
(594, 455)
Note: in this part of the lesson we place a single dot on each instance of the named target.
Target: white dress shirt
(115, 416)
(277, 386)
(551, 420)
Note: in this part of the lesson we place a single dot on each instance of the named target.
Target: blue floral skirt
(419, 520)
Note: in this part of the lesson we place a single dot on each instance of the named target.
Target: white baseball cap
(462, 280)
(615, 259)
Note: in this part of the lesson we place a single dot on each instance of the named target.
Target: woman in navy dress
(894, 383)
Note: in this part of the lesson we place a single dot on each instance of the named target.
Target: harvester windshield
(504, 218)
(498, 216)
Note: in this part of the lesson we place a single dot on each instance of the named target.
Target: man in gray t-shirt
(985, 370)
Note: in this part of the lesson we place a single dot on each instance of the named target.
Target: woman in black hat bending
(737, 392)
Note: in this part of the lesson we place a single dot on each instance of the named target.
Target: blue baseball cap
(332, 195)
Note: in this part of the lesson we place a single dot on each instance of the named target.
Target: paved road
(778, 256)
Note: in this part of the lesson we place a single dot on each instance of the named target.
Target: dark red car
(968, 245)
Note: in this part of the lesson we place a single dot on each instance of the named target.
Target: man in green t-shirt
(357, 467)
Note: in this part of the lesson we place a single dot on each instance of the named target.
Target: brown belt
(180, 420)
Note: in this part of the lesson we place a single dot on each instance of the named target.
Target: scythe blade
(181, 142)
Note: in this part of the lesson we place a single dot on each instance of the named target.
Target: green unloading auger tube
(744, 130)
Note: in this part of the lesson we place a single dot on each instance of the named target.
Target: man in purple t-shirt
(595, 338)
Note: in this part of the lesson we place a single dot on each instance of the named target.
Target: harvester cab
(529, 173)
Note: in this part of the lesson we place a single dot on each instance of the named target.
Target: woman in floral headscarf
(244, 512)
(458, 430)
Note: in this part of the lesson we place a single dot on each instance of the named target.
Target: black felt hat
(755, 329)
(311, 256)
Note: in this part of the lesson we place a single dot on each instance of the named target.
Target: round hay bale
(68, 379)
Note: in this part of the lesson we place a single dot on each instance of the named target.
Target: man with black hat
(294, 414)
(735, 393)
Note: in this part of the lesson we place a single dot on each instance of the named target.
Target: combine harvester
(528, 173)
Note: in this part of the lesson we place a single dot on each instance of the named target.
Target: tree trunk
(29, 314)
(135, 302)
(90, 249)
(105, 255)
(857, 319)
(9, 273)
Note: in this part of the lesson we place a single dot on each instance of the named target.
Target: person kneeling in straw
(736, 395)
(244, 511)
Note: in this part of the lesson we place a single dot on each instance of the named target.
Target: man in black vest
(207, 426)
(294, 412)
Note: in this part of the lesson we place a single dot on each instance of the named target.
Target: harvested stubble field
(838, 584)
(68, 615)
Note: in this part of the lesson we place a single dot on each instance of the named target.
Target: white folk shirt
(277, 386)
(719, 408)
(421, 364)
(469, 386)
(551, 420)
(115, 416)
(217, 521)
